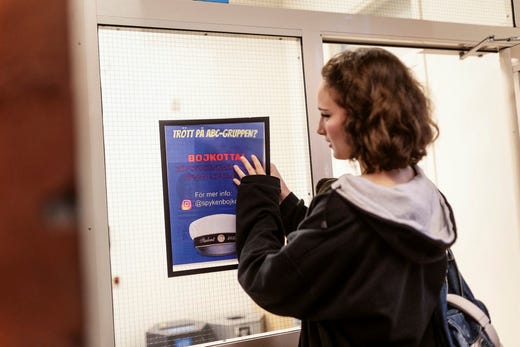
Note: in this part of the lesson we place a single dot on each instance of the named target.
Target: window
(149, 75)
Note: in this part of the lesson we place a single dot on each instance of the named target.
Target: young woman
(364, 264)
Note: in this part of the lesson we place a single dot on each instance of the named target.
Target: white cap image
(214, 235)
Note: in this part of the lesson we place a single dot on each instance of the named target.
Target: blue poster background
(199, 164)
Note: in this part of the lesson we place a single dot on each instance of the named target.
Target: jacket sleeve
(293, 211)
(267, 270)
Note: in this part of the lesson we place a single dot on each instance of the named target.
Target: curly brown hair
(389, 122)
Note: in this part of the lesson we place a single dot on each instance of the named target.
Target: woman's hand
(255, 169)
(258, 169)
(284, 190)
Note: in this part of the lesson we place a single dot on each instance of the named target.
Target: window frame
(314, 28)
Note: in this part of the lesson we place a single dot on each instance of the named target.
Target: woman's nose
(320, 129)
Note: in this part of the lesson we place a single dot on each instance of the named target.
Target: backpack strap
(453, 275)
(477, 314)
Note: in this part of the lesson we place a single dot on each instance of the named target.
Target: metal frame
(313, 27)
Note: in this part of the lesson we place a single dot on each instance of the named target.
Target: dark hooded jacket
(362, 266)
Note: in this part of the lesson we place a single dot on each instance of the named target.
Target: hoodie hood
(416, 204)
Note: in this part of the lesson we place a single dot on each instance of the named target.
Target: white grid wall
(149, 75)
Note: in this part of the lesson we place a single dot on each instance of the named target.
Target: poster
(199, 193)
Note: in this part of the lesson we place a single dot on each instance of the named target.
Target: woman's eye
(325, 115)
